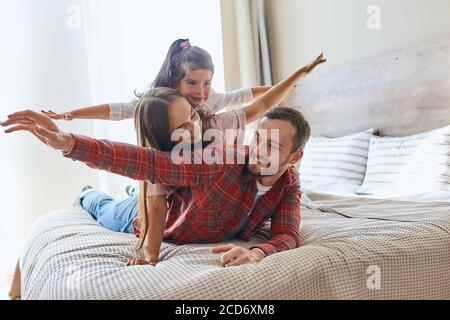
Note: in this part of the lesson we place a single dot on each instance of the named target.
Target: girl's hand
(310, 67)
(58, 116)
(139, 262)
(41, 126)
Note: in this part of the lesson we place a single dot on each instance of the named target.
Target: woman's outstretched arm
(138, 163)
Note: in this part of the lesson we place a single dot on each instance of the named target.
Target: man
(227, 200)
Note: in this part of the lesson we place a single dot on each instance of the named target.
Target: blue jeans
(112, 214)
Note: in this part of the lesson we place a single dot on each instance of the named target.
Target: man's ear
(296, 157)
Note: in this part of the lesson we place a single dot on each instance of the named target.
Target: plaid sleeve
(142, 164)
(285, 224)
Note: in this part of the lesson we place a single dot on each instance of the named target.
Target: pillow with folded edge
(335, 164)
(407, 165)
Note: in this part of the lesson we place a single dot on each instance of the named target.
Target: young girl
(188, 69)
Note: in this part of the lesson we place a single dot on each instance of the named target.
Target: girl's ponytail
(181, 58)
(165, 74)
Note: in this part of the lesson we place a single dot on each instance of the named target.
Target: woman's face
(183, 116)
(196, 86)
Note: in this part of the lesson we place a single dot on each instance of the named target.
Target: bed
(352, 246)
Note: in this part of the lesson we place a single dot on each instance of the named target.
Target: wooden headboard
(399, 93)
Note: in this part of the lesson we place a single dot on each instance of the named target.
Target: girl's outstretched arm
(103, 111)
(259, 91)
(100, 112)
(277, 93)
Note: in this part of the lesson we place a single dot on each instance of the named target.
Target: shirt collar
(286, 178)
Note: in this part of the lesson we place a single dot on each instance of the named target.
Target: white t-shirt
(262, 190)
(215, 103)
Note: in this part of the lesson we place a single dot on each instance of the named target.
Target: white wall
(300, 29)
(128, 40)
(42, 66)
(63, 54)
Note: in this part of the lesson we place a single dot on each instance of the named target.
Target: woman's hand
(150, 258)
(139, 262)
(58, 116)
(40, 126)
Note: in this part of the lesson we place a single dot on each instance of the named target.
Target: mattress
(350, 248)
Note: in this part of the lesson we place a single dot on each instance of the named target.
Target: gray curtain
(260, 34)
(246, 43)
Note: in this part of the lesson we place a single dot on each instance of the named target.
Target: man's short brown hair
(298, 121)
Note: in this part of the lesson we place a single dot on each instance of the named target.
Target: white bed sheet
(436, 196)
(68, 255)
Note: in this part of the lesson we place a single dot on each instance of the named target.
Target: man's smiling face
(271, 148)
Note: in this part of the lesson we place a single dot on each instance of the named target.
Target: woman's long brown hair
(152, 129)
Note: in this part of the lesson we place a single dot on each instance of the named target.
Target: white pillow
(335, 162)
(418, 163)
(328, 187)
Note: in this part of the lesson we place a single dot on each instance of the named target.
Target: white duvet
(351, 248)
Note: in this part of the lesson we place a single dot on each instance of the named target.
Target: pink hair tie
(185, 44)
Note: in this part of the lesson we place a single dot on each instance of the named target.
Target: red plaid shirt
(213, 203)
